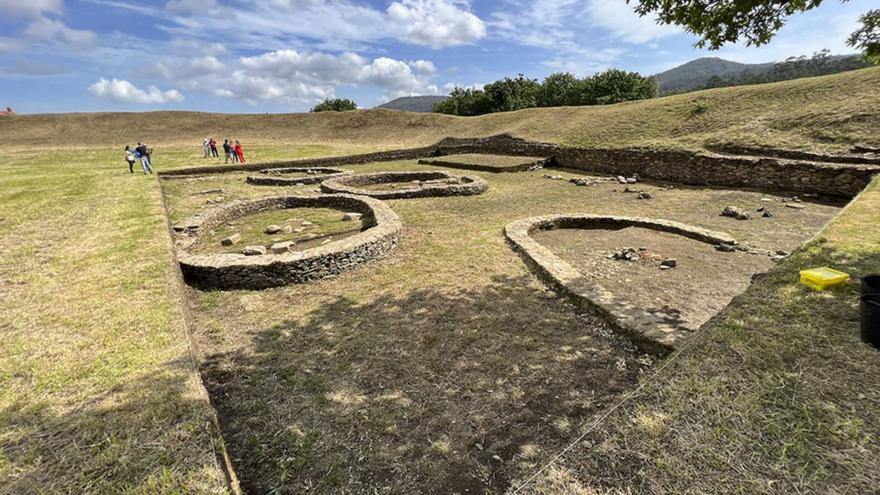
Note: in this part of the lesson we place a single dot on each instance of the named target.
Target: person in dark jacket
(227, 150)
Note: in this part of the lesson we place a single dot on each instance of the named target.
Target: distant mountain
(414, 103)
(696, 73)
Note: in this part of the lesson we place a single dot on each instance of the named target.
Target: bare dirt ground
(446, 367)
(309, 227)
(702, 283)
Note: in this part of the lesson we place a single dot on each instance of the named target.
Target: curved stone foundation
(524, 165)
(464, 185)
(275, 176)
(651, 332)
(237, 271)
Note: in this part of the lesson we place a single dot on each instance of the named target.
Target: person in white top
(129, 157)
(206, 145)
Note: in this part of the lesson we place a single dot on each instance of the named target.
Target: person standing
(239, 152)
(142, 151)
(213, 145)
(206, 148)
(227, 150)
(129, 157)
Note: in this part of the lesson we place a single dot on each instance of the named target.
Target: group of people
(141, 153)
(232, 150)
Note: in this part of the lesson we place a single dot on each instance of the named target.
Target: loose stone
(231, 240)
(349, 217)
(253, 250)
(668, 263)
(281, 247)
(273, 229)
(735, 212)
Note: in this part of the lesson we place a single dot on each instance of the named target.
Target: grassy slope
(778, 396)
(97, 389)
(827, 112)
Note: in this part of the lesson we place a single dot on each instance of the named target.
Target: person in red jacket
(239, 151)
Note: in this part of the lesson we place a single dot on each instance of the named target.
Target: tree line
(820, 64)
(558, 89)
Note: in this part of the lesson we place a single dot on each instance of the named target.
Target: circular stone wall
(238, 271)
(275, 176)
(464, 185)
(651, 332)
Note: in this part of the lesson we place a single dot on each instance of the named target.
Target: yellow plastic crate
(823, 278)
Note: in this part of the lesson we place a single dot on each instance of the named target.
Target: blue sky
(286, 55)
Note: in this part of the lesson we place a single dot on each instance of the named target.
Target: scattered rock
(795, 206)
(781, 252)
(645, 195)
(299, 229)
(735, 212)
(306, 223)
(625, 254)
(349, 217)
(767, 214)
(631, 180)
(287, 229)
(253, 250)
(767, 200)
(211, 191)
(725, 248)
(273, 229)
(759, 210)
(668, 263)
(553, 177)
(327, 241)
(231, 240)
(581, 182)
(621, 179)
(281, 247)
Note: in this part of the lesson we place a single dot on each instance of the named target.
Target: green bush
(335, 105)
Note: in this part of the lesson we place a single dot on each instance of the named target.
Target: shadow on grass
(153, 435)
(426, 392)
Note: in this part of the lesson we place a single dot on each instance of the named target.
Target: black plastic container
(869, 307)
(870, 285)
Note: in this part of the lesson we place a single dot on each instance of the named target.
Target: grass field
(99, 391)
(98, 388)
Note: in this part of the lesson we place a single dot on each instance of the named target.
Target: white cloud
(9, 44)
(44, 29)
(556, 26)
(448, 87)
(122, 91)
(181, 69)
(29, 8)
(436, 23)
(202, 7)
(620, 20)
(24, 67)
(423, 67)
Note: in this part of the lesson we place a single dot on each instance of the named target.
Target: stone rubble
(735, 212)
